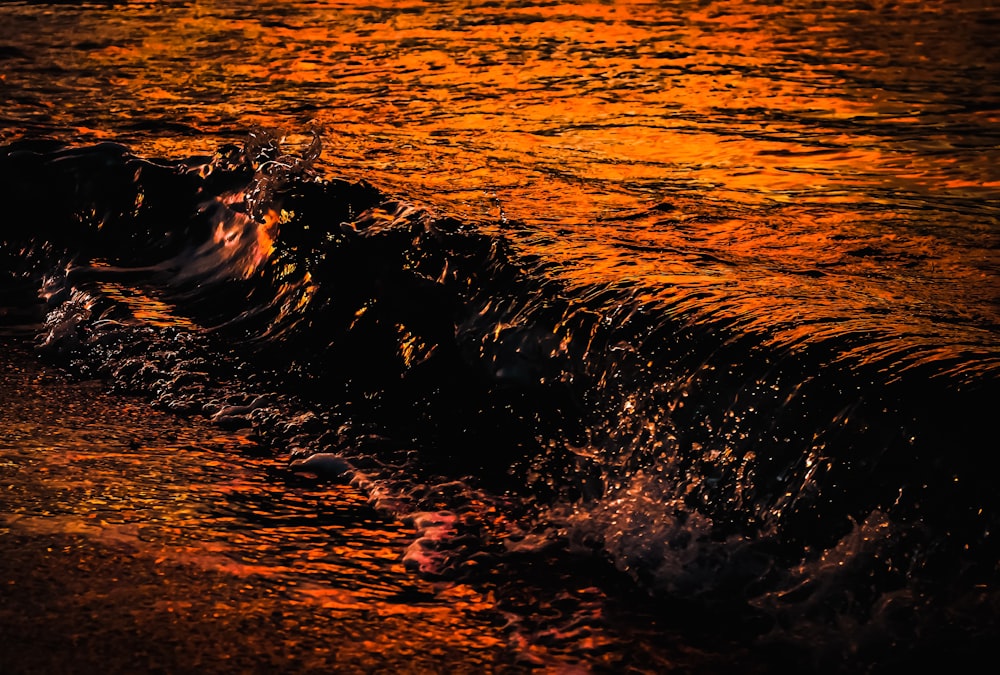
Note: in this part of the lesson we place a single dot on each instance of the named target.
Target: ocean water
(672, 325)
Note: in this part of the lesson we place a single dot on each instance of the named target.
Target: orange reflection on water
(790, 139)
(144, 307)
(411, 92)
(154, 495)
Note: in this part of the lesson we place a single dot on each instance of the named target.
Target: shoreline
(98, 574)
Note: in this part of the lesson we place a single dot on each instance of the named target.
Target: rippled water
(692, 302)
(814, 167)
(196, 505)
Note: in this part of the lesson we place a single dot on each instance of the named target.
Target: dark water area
(670, 329)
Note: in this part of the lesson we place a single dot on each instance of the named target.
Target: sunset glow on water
(802, 140)
(619, 336)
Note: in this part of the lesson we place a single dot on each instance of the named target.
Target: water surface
(694, 304)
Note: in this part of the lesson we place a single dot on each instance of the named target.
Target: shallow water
(127, 523)
(223, 530)
(669, 327)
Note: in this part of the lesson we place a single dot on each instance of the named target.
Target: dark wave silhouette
(798, 489)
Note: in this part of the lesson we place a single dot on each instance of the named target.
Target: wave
(826, 500)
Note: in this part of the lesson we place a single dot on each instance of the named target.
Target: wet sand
(136, 541)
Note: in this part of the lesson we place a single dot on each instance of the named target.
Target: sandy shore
(109, 566)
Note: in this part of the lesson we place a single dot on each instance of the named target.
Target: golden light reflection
(267, 232)
(243, 242)
(628, 93)
(789, 139)
(176, 518)
(144, 307)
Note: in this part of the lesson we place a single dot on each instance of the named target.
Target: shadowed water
(669, 330)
